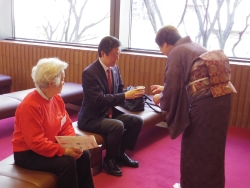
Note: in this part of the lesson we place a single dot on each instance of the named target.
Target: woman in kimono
(197, 97)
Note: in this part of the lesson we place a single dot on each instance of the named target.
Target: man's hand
(73, 152)
(156, 99)
(134, 93)
(156, 89)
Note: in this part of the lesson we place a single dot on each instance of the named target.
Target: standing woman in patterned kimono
(197, 97)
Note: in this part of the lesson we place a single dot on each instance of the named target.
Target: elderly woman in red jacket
(39, 118)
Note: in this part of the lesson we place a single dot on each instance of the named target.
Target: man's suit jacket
(97, 99)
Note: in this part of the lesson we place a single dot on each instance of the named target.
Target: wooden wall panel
(240, 112)
(17, 60)
(138, 69)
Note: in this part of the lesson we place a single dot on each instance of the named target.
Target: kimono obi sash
(211, 71)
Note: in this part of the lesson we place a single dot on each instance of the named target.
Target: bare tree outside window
(214, 24)
(70, 21)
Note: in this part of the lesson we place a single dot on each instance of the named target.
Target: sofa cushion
(5, 83)
(9, 182)
(38, 179)
(5, 80)
(8, 106)
(19, 95)
(71, 92)
(148, 116)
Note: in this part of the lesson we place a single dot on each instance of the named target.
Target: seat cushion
(32, 178)
(8, 106)
(5, 80)
(148, 116)
(37, 178)
(19, 95)
(5, 83)
(10, 182)
(71, 92)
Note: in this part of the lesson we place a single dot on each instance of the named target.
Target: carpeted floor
(159, 159)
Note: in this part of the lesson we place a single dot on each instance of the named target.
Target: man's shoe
(111, 167)
(125, 160)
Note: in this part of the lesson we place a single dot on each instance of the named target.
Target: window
(229, 31)
(220, 24)
(70, 21)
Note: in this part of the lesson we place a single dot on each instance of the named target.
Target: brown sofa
(5, 83)
(23, 177)
(13, 176)
(71, 93)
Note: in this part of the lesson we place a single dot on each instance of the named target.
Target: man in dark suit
(103, 89)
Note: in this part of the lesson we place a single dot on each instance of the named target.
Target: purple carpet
(159, 158)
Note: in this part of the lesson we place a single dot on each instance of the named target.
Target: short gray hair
(48, 70)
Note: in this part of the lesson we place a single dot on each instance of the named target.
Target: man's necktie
(109, 80)
(110, 111)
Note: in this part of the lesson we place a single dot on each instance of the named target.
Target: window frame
(120, 27)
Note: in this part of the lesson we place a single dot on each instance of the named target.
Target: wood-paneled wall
(18, 58)
(240, 111)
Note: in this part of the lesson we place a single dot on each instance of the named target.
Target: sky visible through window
(143, 33)
(53, 20)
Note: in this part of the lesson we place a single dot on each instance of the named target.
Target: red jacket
(38, 121)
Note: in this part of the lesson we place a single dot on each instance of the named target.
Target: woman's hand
(156, 89)
(156, 99)
(73, 152)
